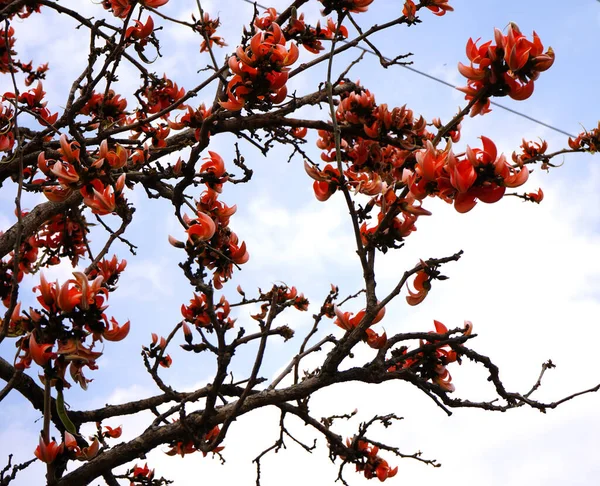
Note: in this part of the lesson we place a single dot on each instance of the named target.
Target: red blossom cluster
(109, 108)
(122, 8)
(192, 119)
(207, 27)
(189, 447)
(508, 67)
(7, 137)
(530, 151)
(7, 43)
(81, 453)
(160, 94)
(32, 74)
(70, 313)
(478, 174)
(141, 475)
(379, 169)
(61, 236)
(33, 101)
(140, 32)
(281, 295)
(372, 466)
(302, 34)
(432, 365)
(48, 451)
(156, 350)
(197, 313)
(588, 141)
(210, 240)
(438, 7)
(347, 321)
(260, 70)
(95, 180)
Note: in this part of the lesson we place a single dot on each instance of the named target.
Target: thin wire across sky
(450, 85)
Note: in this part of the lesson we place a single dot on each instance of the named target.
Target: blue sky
(529, 279)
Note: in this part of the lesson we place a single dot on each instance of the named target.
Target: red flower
(140, 31)
(536, 197)
(422, 286)
(41, 353)
(99, 197)
(48, 452)
(115, 332)
(113, 433)
(439, 7)
(201, 229)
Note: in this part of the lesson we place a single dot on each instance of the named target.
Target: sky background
(529, 279)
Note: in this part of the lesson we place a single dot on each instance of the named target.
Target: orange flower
(439, 7)
(115, 332)
(41, 353)
(140, 31)
(143, 472)
(99, 197)
(409, 10)
(81, 454)
(202, 228)
(48, 452)
(113, 433)
(536, 197)
(422, 286)
(264, 63)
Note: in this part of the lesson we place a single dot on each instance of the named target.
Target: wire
(446, 83)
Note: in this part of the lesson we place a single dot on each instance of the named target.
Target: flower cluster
(302, 34)
(156, 350)
(207, 27)
(160, 94)
(192, 119)
(109, 108)
(508, 67)
(438, 7)
(122, 8)
(283, 296)
(210, 240)
(377, 146)
(431, 365)
(95, 182)
(141, 475)
(70, 313)
(480, 174)
(260, 70)
(409, 162)
(183, 448)
(197, 314)
(6, 49)
(588, 141)
(7, 137)
(33, 101)
(347, 321)
(370, 464)
(530, 151)
(73, 446)
(63, 236)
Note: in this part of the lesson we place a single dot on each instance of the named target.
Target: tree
(109, 141)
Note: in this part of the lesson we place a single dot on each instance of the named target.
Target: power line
(446, 83)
